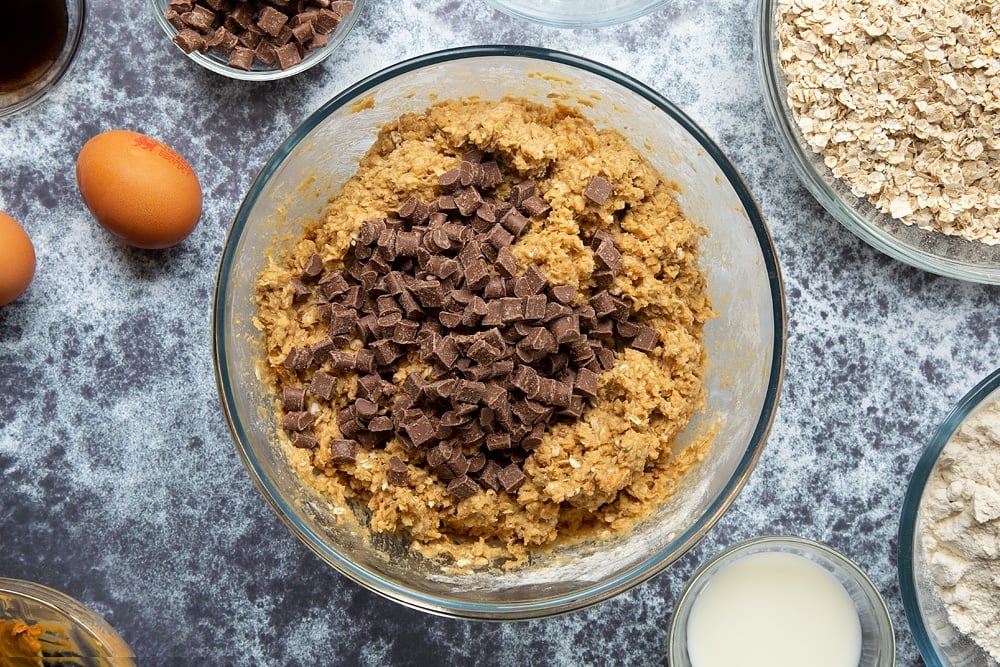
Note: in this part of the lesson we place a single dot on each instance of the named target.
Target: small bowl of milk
(777, 602)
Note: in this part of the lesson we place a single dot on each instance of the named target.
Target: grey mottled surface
(119, 483)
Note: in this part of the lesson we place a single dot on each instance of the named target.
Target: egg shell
(17, 259)
(139, 189)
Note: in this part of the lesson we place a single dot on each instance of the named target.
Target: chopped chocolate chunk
(492, 175)
(300, 291)
(534, 306)
(297, 421)
(535, 206)
(420, 430)
(606, 358)
(532, 281)
(223, 40)
(271, 21)
(322, 349)
(265, 53)
(365, 409)
(450, 179)
(174, 18)
(303, 439)
(476, 463)
(534, 437)
(586, 382)
(288, 55)
(200, 18)
(457, 463)
(598, 190)
(242, 15)
(521, 192)
(332, 285)
(499, 237)
(468, 200)
(608, 256)
(646, 339)
(298, 359)
(343, 451)
(323, 385)
(293, 399)
(514, 222)
(498, 441)
(510, 478)
(397, 472)
(241, 58)
(189, 40)
(438, 455)
(563, 293)
(463, 487)
(303, 33)
(489, 475)
(328, 20)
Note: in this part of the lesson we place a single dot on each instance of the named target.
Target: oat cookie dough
(19, 645)
(523, 381)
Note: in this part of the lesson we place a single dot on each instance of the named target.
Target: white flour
(961, 526)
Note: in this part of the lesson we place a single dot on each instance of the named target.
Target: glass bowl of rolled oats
(257, 40)
(414, 347)
(889, 113)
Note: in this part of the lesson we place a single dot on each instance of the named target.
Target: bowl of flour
(949, 536)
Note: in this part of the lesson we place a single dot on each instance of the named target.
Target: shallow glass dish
(746, 343)
(577, 13)
(71, 634)
(34, 91)
(940, 644)
(216, 62)
(878, 643)
(944, 255)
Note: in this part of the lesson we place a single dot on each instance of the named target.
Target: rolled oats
(902, 100)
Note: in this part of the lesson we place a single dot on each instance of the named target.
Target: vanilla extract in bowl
(38, 41)
(32, 36)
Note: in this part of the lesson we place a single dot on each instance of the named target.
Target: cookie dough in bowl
(499, 332)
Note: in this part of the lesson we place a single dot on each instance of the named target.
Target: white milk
(773, 609)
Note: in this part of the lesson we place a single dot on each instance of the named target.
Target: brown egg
(17, 259)
(138, 189)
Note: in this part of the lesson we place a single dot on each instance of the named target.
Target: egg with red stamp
(139, 189)
(17, 259)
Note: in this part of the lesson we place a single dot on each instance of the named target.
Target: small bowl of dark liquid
(38, 39)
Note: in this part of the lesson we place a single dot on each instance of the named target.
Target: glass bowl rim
(907, 533)
(74, 35)
(839, 206)
(564, 602)
(75, 611)
(636, 9)
(859, 575)
(310, 60)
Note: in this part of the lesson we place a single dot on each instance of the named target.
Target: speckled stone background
(119, 483)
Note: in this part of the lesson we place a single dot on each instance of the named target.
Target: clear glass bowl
(72, 634)
(745, 343)
(878, 643)
(940, 644)
(577, 13)
(32, 93)
(944, 255)
(216, 62)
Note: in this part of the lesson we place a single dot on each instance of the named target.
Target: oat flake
(901, 97)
